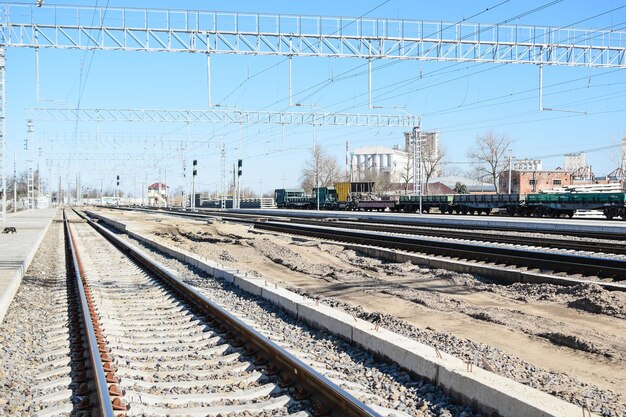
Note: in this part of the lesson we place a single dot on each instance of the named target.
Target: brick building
(528, 182)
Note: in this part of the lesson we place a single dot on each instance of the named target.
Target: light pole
(510, 157)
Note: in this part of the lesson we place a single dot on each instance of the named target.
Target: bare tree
(431, 161)
(451, 170)
(322, 166)
(406, 173)
(490, 155)
(381, 180)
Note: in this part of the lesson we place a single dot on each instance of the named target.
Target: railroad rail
(549, 261)
(473, 235)
(101, 400)
(613, 247)
(154, 302)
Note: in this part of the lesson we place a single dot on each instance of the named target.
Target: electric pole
(14, 182)
(510, 157)
(223, 153)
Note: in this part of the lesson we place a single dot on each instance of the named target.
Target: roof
(472, 185)
(156, 186)
(372, 150)
(437, 188)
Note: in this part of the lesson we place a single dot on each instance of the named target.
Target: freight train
(360, 196)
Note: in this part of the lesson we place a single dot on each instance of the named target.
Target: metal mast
(417, 165)
(31, 196)
(223, 204)
(14, 183)
(3, 133)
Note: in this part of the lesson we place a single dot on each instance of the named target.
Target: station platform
(17, 250)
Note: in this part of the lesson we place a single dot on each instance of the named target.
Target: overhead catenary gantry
(71, 27)
(126, 29)
(221, 116)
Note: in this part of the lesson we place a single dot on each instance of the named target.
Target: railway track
(594, 246)
(161, 348)
(397, 221)
(517, 257)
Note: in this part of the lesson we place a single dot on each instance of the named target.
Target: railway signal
(193, 184)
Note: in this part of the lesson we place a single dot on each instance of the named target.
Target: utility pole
(317, 166)
(3, 132)
(184, 202)
(510, 157)
(77, 190)
(223, 152)
(30, 187)
(234, 192)
(14, 182)
(260, 188)
(59, 199)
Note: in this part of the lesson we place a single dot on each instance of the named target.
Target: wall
(544, 180)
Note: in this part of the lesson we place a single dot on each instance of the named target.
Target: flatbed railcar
(360, 196)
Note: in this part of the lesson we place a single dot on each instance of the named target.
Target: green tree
(460, 188)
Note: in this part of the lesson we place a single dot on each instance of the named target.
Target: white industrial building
(527, 165)
(574, 161)
(370, 161)
(375, 160)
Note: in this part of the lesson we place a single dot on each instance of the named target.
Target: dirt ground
(577, 332)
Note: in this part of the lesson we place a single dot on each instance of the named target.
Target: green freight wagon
(411, 203)
(559, 204)
(485, 203)
(291, 198)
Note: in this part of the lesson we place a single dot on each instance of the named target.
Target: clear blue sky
(460, 100)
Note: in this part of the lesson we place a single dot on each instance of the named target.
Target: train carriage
(361, 196)
(291, 198)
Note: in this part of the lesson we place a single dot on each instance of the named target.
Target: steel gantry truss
(220, 116)
(70, 27)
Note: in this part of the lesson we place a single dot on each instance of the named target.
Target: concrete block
(335, 321)
(412, 355)
(225, 274)
(250, 285)
(281, 297)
